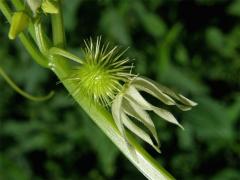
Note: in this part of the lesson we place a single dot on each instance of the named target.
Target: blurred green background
(190, 46)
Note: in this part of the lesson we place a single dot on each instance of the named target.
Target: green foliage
(196, 53)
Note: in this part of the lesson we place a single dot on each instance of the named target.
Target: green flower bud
(19, 23)
(49, 6)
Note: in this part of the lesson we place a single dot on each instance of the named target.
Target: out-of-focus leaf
(211, 123)
(70, 12)
(114, 25)
(163, 50)
(152, 23)
(182, 55)
(186, 137)
(215, 38)
(106, 151)
(184, 81)
(227, 174)
(12, 169)
(234, 8)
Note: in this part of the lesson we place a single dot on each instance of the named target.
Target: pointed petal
(133, 95)
(116, 113)
(184, 107)
(148, 86)
(138, 131)
(187, 101)
(166, 115)
(157, 90)
(138, 113)
(178, 97)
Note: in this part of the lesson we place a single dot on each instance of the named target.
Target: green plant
(122, 88)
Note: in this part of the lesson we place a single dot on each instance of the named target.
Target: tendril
(23, 93)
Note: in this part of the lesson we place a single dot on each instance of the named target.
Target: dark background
(190, 46)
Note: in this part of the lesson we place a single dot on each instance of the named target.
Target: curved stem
(23, 93)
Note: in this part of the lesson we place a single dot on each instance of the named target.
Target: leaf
(114, 25)
(70, 13)
(14, 170)
(215, 39)
(106, 152)
(227, 173)
(234, 8)
(184, 80)
(152, 23)
(210, 122)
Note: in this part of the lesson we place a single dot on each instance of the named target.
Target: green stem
(6, 10)
(58, 28)
(43, 45)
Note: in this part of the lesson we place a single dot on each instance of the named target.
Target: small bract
(19, 23)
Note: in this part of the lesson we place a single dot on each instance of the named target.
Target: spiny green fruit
(102, 73)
